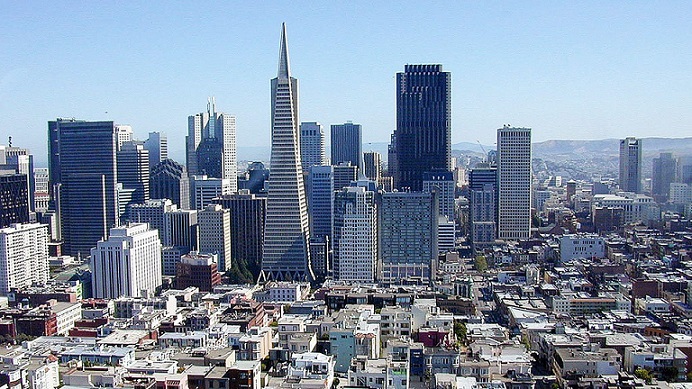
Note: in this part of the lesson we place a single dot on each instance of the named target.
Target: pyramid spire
(284, 71)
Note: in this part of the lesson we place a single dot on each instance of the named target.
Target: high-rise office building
(312, 145)
(248, 213)
(23, 256)
(483, 205)
(372, 161)
(344, 174)
(20, 161)
(255, 179)
(14, 199)
(123, 133)
(422, 139)
(157, 145)
(211, 145)
(133, 170)
(168, 180)
(204, 189)
(215, 234)
(180, 228)
(286, 236)
(631, 165)
(127, 264)
(151, 212)
(408, 236)
(355, 235)
(347, 144)
(83, 161)
(320, 193)
(443, 183)
(514, 183)
(663, 174)
(41, 193)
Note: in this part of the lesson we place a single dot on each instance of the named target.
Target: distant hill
(651, 146)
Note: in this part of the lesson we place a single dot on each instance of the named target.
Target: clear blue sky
(569, 70)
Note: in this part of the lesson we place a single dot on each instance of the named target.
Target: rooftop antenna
(10, 141)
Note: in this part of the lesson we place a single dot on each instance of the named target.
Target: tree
(644, 374)
(460, 332)
(480, 263)
(670, 373)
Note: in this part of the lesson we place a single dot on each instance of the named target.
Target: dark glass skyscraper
(422, 139)
(347, 140)
(83, 161)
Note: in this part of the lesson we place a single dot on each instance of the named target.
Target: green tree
(460, 332)
(480, 263)
(643, 374)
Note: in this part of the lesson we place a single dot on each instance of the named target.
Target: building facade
(312, 145)
(422, 139)
(211, 145)
(82, 160)
(355, 235)
(514, 183)
(168, 180)
(287, 233)
(347, 141)
(128, 263)
(408, 236)
(631, 165)
(23, 256)
(215, 234)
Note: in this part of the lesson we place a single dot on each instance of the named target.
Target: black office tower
(422, 139)
(83, 161)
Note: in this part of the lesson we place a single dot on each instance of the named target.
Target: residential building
(408, 236)
(197, 269)
(23, 256)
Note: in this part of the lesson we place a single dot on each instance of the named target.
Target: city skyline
(577, 73)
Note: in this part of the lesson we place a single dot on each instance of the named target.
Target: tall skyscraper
(157, 145)
(255, 179)
(23, 256)
(514, 183)
(20, 161)
(133, 170)
(215, 234)
(422, 139)
(345, 173)
(320, 191)
(347, 144)
(663, 174)
(127, 264)
(247, 227)
(312, 145)
(286, 235)
(355, 235)
(408, 236)
(211, 145)
(631, 165)
(83, 161)
(483, 205)
(168, 180)
(372, 165)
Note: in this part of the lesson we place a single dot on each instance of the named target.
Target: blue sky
(569, 70)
